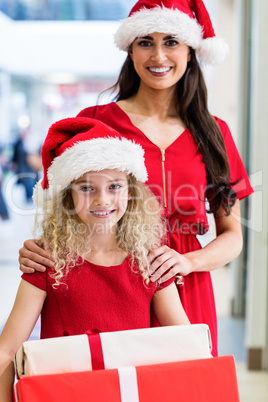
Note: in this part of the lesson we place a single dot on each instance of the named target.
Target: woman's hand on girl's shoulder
(166, 263)
(33, 257)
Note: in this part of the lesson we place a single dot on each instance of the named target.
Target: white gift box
(112, 350)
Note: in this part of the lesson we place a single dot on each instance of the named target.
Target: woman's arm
(32, 257)
(22, 319)
(223, 249)
(167, 307)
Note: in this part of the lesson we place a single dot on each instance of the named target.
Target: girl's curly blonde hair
(139, 231)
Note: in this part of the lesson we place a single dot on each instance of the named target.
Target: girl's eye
(86, 188)
(115, 186)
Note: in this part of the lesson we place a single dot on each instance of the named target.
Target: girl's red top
(90, 297)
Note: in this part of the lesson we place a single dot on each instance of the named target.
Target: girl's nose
(101, 199)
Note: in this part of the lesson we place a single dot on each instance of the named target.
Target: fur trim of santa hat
(77, 145)
(188, 20)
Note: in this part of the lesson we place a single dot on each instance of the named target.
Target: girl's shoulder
(38, 279)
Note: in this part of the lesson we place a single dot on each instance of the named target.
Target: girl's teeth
(159, 69)
(101, 213)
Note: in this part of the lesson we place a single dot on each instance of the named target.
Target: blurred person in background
(190, 155)
(3, 208)
(26, 162)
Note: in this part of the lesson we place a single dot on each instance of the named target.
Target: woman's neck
(154, 113)
(151, 102)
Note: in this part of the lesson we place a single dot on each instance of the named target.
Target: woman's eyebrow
(145, 37)
(169, 37)
(148, 37)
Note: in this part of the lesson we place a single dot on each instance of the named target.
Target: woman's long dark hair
(192, 109)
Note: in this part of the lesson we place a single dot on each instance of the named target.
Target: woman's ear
(189, 56)
(130, 51)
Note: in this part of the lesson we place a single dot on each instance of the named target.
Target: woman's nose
(158, 54)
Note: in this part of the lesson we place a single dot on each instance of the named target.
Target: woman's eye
(171, 42)
(145, 43)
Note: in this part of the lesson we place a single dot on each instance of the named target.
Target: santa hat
(188, 20)
(77, 145)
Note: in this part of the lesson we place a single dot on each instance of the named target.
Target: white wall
(80, 47)
(257, 294)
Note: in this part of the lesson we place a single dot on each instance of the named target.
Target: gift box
(111, 350)
(204, 380)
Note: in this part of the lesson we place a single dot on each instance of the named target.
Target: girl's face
(100, 198)
(159, 59)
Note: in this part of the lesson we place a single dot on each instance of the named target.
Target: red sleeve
(90, 112)
(38, 279)
(237, 169)
(163, 285)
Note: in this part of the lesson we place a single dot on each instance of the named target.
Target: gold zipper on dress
(164, 176)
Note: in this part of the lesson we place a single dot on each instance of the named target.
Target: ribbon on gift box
(128, 383)
(110, 350)
(94, 340)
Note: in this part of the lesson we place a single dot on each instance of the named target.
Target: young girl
(100, 222)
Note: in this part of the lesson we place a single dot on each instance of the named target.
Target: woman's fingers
(32, 257)
(26, 270)
(156, 253)
(166, 270)
(28, 265)
(167, 263)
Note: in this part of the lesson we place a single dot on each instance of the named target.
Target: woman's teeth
(159, 69)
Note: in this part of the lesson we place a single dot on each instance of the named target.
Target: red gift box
(204, 380)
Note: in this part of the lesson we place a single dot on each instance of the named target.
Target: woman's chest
(177, 174)
(161, 134)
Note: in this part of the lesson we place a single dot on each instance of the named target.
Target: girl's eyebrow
(80, 181)
(116, 180)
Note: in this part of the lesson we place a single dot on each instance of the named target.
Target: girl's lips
(102, 214)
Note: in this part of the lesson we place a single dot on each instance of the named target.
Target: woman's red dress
(177, 176)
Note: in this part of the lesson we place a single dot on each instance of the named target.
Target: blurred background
(56, 57)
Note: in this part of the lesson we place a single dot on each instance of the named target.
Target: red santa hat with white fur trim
(77, 145)
(188, 20)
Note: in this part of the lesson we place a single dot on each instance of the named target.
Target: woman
(190, 155)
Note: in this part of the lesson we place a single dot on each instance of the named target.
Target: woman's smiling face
(159, 59)
(101, 198)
